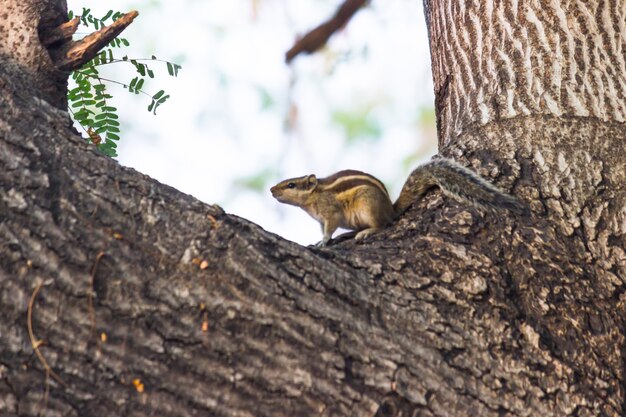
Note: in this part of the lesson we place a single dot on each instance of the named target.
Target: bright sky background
(239, 119)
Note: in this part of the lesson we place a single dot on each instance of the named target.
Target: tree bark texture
(145, 301)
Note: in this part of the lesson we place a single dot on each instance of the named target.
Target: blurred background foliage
(239, 119)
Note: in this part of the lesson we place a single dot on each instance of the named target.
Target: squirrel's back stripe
(347, 179)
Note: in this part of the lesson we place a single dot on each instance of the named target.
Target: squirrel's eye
(291, 185)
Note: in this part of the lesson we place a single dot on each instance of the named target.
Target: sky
(239, 119)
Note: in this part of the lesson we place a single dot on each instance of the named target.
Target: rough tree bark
(145, 301)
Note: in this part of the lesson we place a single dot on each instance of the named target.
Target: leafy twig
(96, 115)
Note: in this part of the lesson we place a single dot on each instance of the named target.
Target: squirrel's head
(295, 191)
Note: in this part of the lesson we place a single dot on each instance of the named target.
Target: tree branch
(318, 37)
(84, 50)
(448, 311)
(61, 33)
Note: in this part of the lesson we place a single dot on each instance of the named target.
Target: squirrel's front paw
(365, 233)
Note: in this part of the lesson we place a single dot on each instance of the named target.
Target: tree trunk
(121, 296)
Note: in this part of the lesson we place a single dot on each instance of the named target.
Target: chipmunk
(358, 201)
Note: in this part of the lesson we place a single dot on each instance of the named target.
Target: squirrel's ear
(311, 180)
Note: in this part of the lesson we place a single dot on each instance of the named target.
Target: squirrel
(358, 201)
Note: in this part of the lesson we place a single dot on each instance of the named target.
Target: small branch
(35, 343)
(116, 60)
(62, 33)
(115, 82)
(82, 51)
(318, 37)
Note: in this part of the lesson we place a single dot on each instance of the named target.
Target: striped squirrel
(358, 201)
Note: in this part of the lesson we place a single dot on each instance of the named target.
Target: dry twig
(82, 51)
(35, 343)
(61, 33)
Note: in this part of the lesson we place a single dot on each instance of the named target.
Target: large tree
(122, 296)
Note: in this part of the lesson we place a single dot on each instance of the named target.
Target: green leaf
(158, 95)
(73, 92)
(108, 148)
(85, 121)
(141, 69)
(158, 102)
(83, 112)
(170, 69)
(105, 151)
(85, 12)
(106, 16)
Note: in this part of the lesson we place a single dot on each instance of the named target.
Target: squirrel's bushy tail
(458, 182)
